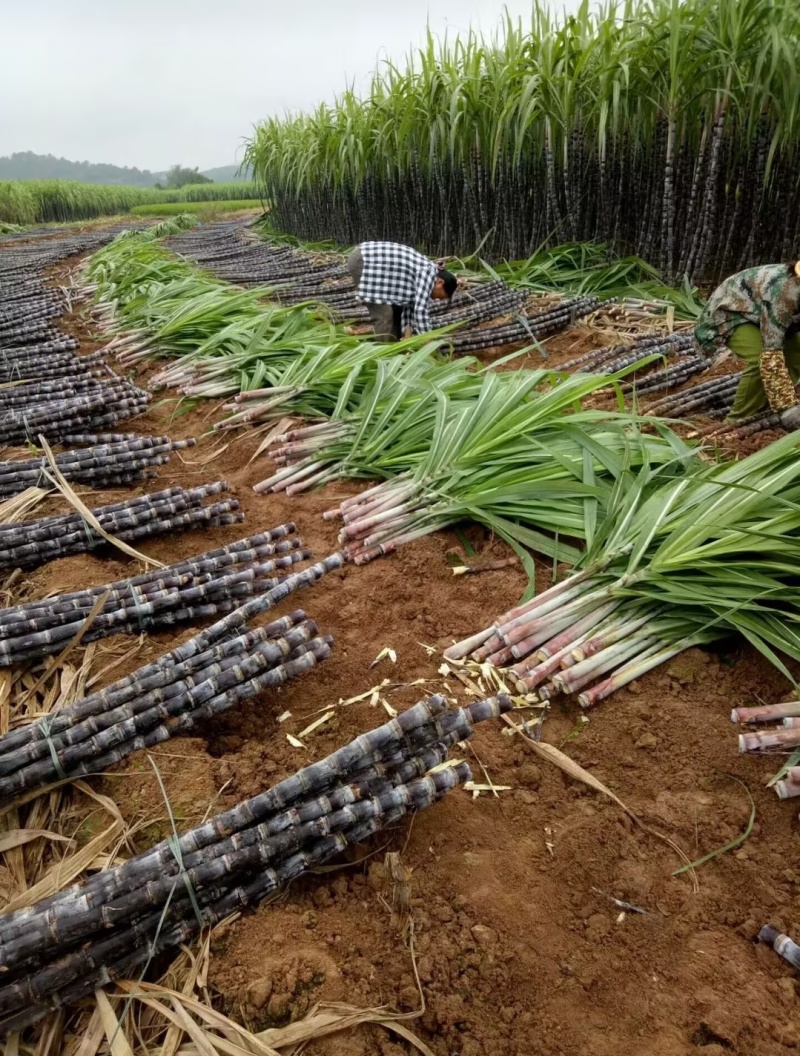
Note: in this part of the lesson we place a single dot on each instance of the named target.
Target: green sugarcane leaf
(733, 843)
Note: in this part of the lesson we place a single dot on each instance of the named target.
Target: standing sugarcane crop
(397, 285)
(756, 314)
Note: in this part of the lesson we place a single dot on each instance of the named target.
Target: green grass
(202, 208)
(62, 201)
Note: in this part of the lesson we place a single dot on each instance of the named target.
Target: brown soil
(518, 945)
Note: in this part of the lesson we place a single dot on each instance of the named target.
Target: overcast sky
(151, 83)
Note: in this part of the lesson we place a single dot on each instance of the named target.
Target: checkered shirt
(395, 274)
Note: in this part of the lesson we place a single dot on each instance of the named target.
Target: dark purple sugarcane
(92, 966)
(422, 721)
(227, 685)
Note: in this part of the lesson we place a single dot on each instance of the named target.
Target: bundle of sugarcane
(668, 377)
(523, 328)
(28, 544)
(54, 359)
(47, 305)
(30, 392)
(206, 585)
(113, 924)
(294, 275)
(714, 394)
(778, 732)
(99, 409)
(105, 463)
(479, 304)
(50, 359)
(673, 565)
(374, 438)
(596, 361)
(740, 429)
(32, 312)
(680, 345)
(28, 335)
(150, 706)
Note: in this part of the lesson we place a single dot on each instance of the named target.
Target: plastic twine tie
(44, 726)
(174, 844)
(145, 622)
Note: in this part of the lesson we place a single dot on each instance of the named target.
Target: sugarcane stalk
(646, 661)
(767, 740)
(781, 944)
(767, 713)
(581, 674)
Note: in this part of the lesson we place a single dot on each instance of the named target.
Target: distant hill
(25, 165)
(226, 174)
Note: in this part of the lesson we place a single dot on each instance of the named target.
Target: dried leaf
(294, 741)
(70, 495)
(92, 1035)
(315, 725)
(67, 870)
(363, 696)
(115, 1035)
(470, 786)
(18, 837)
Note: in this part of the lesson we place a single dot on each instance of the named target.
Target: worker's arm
(778, 383)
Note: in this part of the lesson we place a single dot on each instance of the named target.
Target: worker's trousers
(386, 319)
(751, 397)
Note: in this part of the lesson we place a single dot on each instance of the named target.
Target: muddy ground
(517, 943)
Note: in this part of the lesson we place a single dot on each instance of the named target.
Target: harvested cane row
(209, 584)
(713, 398)
(66, 946)
(109, 460)
(296, 275)
(215, 670)
(52, 391)
(32, 543)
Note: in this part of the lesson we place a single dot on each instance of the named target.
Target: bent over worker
(756, 314)
(397, 285)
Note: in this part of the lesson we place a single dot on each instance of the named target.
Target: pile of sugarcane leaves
(113, 924)
(672, 563)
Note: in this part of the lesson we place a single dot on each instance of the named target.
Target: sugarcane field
(399, 547)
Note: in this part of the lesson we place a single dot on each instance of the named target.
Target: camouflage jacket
(769, 298)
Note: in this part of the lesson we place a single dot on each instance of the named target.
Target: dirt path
(519, 948)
